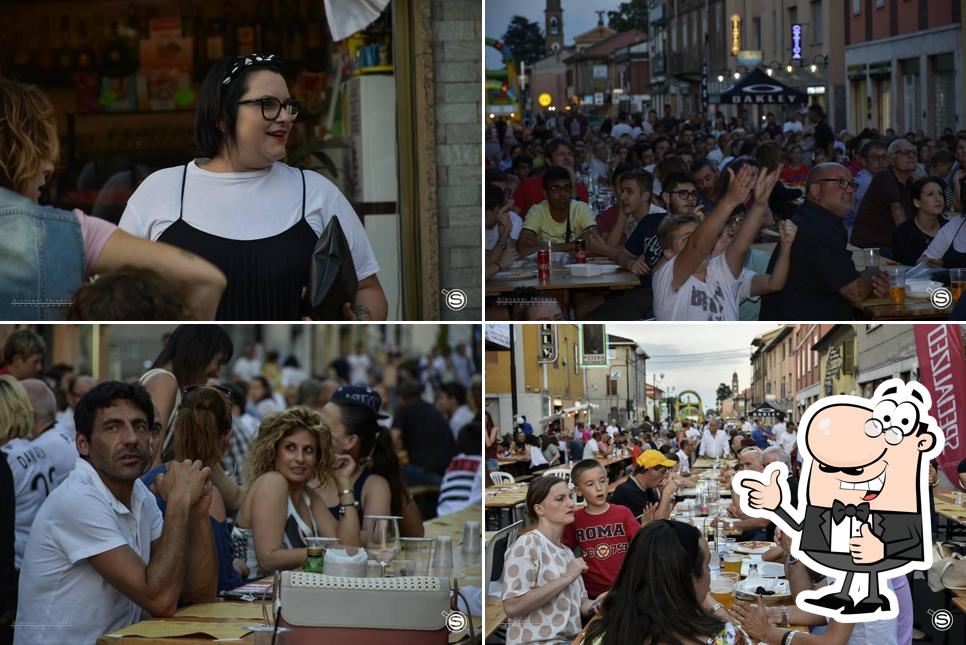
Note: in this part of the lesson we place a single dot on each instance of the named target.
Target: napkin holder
(395, 611)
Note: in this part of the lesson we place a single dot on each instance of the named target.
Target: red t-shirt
(635, 453)
(794, 176)
(603, 541)
(530, 192)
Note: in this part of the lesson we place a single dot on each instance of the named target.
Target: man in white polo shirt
(99, 552)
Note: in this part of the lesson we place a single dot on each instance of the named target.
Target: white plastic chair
(499, 477)
(564, 474)
(561, 472)
(510, 533)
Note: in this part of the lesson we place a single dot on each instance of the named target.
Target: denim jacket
(41, 259)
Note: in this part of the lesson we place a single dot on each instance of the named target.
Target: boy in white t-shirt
(695, 284)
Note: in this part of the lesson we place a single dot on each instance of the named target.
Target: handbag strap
(950, 562)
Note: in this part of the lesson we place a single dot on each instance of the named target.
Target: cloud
(695, 357)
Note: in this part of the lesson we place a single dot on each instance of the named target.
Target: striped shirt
(462, 484)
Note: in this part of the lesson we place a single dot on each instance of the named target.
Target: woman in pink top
(28, 137)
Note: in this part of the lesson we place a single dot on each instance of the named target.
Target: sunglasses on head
(221, 388)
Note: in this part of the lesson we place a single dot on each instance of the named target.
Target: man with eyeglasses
(680, 194)
(872, 160)
(822, 283)
(887, 203)
(560, 221)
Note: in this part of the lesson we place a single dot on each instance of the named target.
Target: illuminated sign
(545, 99)
(735, 34)
(798, 34)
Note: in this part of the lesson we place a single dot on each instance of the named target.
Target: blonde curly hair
(28, 134)
(16, 416)
(277, 426)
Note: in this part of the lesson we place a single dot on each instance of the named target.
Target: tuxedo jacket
(900, 532)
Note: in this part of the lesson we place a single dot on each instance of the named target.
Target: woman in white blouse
(543, 591)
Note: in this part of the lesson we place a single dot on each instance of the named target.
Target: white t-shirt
(591, 448)
(952, 234)
(247, 368)
(788, 441)
(714, 299)
(536, 457)
(245, 206)
(611, 431)
(63, 599)
(38, 467)
(359, 366)
(791, 126)
(693, 434)
(684, 465)
(493, 234)
(460, 418)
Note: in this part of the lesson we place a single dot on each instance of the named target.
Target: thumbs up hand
(761, 495)
(866, 548)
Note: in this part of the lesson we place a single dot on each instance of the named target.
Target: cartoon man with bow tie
(863, 497)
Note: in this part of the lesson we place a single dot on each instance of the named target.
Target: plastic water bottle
(715, 563)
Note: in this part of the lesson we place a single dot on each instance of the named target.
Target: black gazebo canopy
(758, 88)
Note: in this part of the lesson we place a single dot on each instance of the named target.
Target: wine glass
(382, 541)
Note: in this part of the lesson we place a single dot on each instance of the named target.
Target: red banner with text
(942, 369)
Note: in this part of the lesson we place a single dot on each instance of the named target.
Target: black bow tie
(840, 510)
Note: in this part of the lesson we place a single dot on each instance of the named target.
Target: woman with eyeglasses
(238, 206)
(49, 253)
(203, 432)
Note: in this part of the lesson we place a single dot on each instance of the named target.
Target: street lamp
(721, 78)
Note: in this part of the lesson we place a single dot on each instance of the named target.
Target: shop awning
(564, 412)
(767, 409)
(758, 88)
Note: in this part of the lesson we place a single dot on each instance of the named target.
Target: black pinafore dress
(265, 276)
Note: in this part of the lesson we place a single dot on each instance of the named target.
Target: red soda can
(581, 251)
(543, 265)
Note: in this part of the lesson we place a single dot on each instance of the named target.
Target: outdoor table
(914, 307)
(561, 283)
(704, 462)
(505, 496)
(947, 507)
(221, 612)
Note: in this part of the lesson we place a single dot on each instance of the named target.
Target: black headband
(252, 60)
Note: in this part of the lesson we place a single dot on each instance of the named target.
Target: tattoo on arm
(362, 312)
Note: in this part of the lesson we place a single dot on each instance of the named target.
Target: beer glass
(897, 285)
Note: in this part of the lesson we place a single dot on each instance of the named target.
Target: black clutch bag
(332, 276)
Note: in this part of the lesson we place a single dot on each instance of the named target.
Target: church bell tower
(554, 26)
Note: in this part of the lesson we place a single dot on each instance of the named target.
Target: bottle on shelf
(271, 37)
(85, 58)
(295, 37)
(214, 40)
(315, 41)
(41, 53)
(228, 33)
(245, 34)
(64, 55)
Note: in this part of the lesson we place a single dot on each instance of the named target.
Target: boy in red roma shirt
(601, 530)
